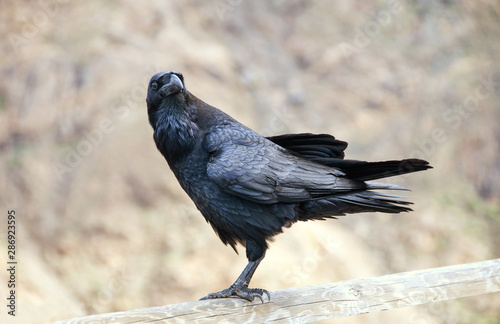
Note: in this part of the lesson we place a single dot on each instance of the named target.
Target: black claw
(258, 292)
(267, 294)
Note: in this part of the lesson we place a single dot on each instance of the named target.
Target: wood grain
(327, 301)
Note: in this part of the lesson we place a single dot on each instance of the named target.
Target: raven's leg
(240, 287)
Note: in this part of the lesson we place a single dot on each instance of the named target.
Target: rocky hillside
(104, 226)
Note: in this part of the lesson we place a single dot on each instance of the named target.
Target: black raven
(249, 187)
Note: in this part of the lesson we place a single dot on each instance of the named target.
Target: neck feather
(175, 132)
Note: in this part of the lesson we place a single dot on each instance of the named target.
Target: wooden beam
(327, 301)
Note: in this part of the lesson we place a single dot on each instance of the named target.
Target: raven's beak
(173, 86)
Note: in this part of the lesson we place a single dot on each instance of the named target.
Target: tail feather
(354, 202)
(365, 200)
(373, 201)
(327, 150)
(370, 185)
(365, 171)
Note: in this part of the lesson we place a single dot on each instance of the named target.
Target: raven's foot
(242, 292)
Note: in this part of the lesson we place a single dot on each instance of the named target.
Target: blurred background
(103, 224)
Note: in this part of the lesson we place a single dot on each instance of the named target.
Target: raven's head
(164, 85)
(167, 97)
(170, 112)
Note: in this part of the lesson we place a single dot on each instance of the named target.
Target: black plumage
(249, 187)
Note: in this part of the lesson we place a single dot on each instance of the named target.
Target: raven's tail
(365, 171)
(364, 200)
(352, 203)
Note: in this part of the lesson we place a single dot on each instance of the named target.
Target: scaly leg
(240, 287)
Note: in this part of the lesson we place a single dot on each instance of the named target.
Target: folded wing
(249, 166)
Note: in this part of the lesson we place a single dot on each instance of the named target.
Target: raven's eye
(154, 85)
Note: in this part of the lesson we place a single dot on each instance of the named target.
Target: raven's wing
(247, 165)
(314, 147)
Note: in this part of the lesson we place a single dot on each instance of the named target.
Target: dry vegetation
(103, 224)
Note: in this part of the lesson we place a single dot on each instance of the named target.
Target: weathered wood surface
(322, 302)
